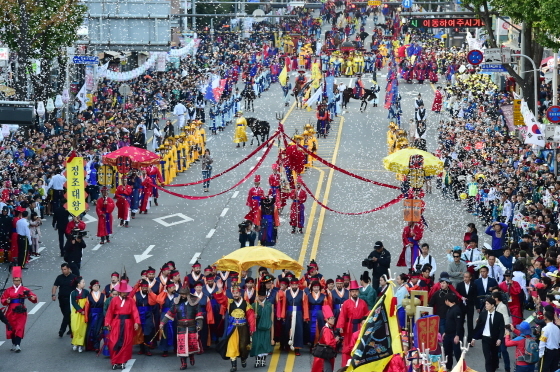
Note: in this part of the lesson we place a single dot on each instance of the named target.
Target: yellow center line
(319, 229)
(275, 357)
(311, 219)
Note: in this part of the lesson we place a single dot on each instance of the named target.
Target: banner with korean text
(75, 190)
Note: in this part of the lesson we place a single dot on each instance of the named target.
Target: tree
(38, 29)
(538, 30)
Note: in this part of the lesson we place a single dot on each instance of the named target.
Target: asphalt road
(181, 230)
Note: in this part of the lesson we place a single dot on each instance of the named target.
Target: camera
(243, 227)
(367, 263)
(78, 234)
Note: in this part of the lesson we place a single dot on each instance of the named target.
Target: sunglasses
(456, 256)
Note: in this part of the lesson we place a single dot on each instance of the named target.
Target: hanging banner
(161, 61)
(89, 78)
(76, 197)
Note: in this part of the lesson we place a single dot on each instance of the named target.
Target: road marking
(223, 214)
(2, 343)
(194, 258)
(319, 229)
(96, 247)
(129, 365)
(235, 194)
(87, 218)
(209, 139)
(183, 219)
(210, 233)
(41, 249)
(145, 255)
(290, 362)
(36, 308)
(311, 218)
(273, 364)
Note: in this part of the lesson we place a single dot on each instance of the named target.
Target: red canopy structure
(139, 157)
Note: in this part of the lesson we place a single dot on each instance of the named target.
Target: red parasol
(140, 157)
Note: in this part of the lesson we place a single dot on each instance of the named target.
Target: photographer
(379, 261)
(73, 251)
(75, 224)
(14, 298)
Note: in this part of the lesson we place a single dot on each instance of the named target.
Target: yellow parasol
(245, 258)
(398, 162)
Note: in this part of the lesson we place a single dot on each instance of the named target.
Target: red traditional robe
(297, 210)
(415, 233)
(350, 319)
(514, 305)
(438, 99)
(123, 206)
(253, 202)
(104, 209)
(121, 318)
(17, 320)
(327, 338)
(146, 194)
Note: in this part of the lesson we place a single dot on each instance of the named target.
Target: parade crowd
(508, 185)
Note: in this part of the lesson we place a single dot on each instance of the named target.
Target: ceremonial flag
(283, 77)
(315, 75)
(379, 338)
(315, 97)
(75, 191)
(330, 87)
(208, 93)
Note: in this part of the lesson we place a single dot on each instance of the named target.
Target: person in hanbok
(297, 209)
(16, 312)
(270, 221)
(122, 321)
(438, 100)
(95, 316)
(315, 300)
(411, 236)
(186, 312)
(263, 338)
(78, 300)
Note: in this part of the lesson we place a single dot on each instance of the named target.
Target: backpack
(531, 354)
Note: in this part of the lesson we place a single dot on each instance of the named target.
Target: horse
(369, 94)
(348, 93)
(259, 128)
(249, 95)
(299, 90)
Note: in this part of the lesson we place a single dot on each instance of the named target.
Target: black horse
(259, 128)
(249, 95)
(348, 93)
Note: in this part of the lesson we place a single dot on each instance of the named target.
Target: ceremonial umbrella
(139, 157)
(347, 46)
(245, 258)
(398, 162)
